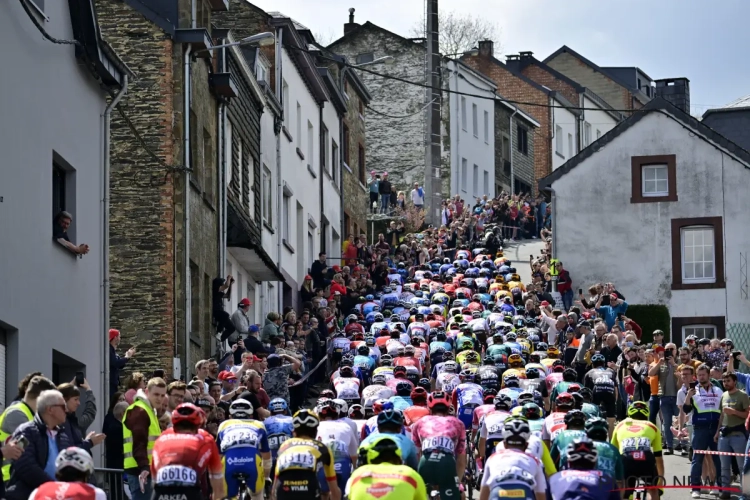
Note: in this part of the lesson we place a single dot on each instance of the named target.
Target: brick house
(547, 107)
(614, 85)
(165, 201)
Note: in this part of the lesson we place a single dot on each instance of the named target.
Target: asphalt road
(518, 252)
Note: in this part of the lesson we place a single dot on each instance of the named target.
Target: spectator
(116, 363)
(666, 370)
(731, 433)
(240, 320)
(350, 253)
(62, 222)
(400, 202)
(222, 290)
(73, 425)
(565, 286)
(140, 431)
(417, 196)
(272, 328)
(609, 313)
(384, 189)
(136, 381)
(373, 182)
(254, 384)
(201, 375)
(318, 271)
(112, 428)
(45, 438)
(275, 380)
(175, 395)
(307, 292)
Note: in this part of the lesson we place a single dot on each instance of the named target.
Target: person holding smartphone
(684, 430)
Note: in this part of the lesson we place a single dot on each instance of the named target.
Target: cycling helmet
(638, 410)
(532, 373)
(516, 431)
(448, 356)
(188, 412)
(472, 357)
(399, 370)
(489, 395)
(346, 371)
(511, 337)
(386, 360)
(358, 336)
(582, 452)
(356, 412)
(438, 398)
(278, 405)
(531, 411)
(569, 375)
(241, 408)
(363, 350)
(424, 383)
(587, 393)
(379, 379)
(369, 452)
(409, 350)
(572, 388)
(575, 419)
(558, 367)
(542, 346)
(378, 317)
(511, 381)
(327, 393)
(466, 376)
(403, 388)
(418, 394)
(565, 400)
(328, 410)
(503, 402)
(440, 336)
(578, 399)
(597, 360)
(597, 429)
(450, 366)
(391, 416)
(381, 405)
(553, 352)
(342, 407)
(515, 361)
(306, 419)
(78, 458)
(525, 397)
(347, 361)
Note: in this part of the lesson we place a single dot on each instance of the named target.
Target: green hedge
(650, 317)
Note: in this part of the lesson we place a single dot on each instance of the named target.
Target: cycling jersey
(491, 425)
(371, 427)
(366, 363)
(393, 383)
(559, 388)
(512, 393)
(55, 490)
(479, 412)
(461, 358)
(343, 443)
(562, 440)
(514, 474)
(390, 299)
(447, 382)
(600, 381)
(303, 469)
(637, 437)
(347, 388)
(441, 439)
(488, 377)
(418, 329)
(553, 379)
(372, 393)
(591, 410)
(582, 485)
(414, 413)
(279, 429)
(534, 384)
(466, 397)
(386, 482)
(241, 442)
(401, 403)
(536, 448)
(180, 460)
(340, 346)
(409, 453)
(553, 424)
(608, 460)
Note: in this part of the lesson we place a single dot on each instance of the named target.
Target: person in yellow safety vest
(20, 412)
(140, 430)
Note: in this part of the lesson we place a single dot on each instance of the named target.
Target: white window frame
(239, 167)
(655, 182)
(559, 140)
(299, 126)
(486, 182)
(310, 143)
(475, 181)
(692, 329)
(228, 156)
(261, 70)
(464, 168)
(486, 127)
(692, 249)
(475, 119)
(598, 133)
(285, 101)
(326, 155)
(285, 231)
(267, 208)
(250, 183)
(335, 160)
(586, 133)
(463, 113)
(570, 146)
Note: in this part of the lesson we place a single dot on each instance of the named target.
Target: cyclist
(340, 439)
(582, 481)
(511, 472)
(376, 390)
(243, 441)
(305, 469)
(555, 421)
(575, 423)
(590, 409)
(466, 397)
(384, 477)
(608, 459)
(442, 441)
(391, 422)
(402, 400)
(357, 415)
(534, 382)
(601, 381)
(511, 387)
(418, 409)
(639, 442)
(178, 466)
(569, 377)
(447, 379)
(491, 425)
(278, 426)
(73, 468)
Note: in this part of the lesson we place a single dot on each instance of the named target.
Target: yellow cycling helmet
(638, 410)
(515, 361)
(553, 352)
(307, 419)
(384, 444)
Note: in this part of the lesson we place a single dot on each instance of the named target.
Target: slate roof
(742, 103)
(656, 105)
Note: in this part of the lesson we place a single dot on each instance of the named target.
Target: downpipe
(186, 201)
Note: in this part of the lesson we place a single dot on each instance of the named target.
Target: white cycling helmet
(77, 458)
(341, 406)
(241, 408)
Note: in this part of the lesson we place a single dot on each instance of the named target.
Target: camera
(736, 354)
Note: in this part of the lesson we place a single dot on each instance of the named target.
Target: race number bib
(275, 442)
(176, 475)
(238, 437)
(438, 443)
(301, 460)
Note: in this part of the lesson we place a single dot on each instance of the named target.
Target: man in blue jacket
(116, 363)
(45, 440)
(609, 313)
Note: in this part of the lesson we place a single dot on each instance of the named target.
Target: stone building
(165, 201)
(396, 123)
(515, 138)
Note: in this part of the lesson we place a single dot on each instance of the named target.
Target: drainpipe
(224, 160)
(186, 229)
(512, 163)
(344, 230)
(279, 72)
(320, 175)
(105, 235)
(457, 135)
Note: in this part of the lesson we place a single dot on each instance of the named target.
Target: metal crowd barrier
(113, 482)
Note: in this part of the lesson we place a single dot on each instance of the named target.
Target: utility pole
(432, 177)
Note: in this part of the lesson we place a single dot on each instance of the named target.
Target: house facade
(673, 188)
(53, 307)
(515, 137)
(732, 121)
(471, 128)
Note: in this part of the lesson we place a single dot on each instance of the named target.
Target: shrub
(650, 317)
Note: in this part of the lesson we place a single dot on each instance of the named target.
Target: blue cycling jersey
(279, 429)
(582, 485)
(241, 443)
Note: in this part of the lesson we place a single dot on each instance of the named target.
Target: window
(208, 167)
(586, 134)
(195, 299)
(285, 100)
(310, 249)
(463, 113)
(335, 161)
(58, 189)
(700, 331)
(486, 127)
(63, 193)
(523, 139)
(362, 176)
(709, 327)
(346, 147)
(486, 183)
(697, 253)
(240, 169)
(261, 71)
(475, 180)
(229, 154)
(653, 178)
(324, 138)
(464, 168)
(267, 197)
(639, 84)
(559, 140)
(310, 145)
(570, 146)
(207, 310)
(474, 119)
(365, 57)
(287, 216)
(251, 186)
(598, 134)
(299, 125)
(195, 158)
(506, 148)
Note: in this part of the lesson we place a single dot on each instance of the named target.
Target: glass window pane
(688, 254)
(688, 271)
(661, 186)
(688, 236)
(661, 173)
(708, 270)
(648, 174)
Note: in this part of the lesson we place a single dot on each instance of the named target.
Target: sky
(705, 41)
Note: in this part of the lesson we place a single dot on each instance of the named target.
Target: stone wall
(394, 144)
(356, 194)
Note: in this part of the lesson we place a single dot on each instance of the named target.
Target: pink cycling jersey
(435, 433)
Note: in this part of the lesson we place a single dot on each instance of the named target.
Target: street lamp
(384, 59)
(261, 40)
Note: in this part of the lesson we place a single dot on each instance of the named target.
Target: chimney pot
(351, 25)
(527, 53)
(351, 14)
(486, 48)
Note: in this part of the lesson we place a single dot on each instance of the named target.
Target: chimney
(351, 25)
(676, 91)
(486, 48)
(526, 55)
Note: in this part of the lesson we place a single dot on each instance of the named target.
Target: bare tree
(325, 38)
(460, 32)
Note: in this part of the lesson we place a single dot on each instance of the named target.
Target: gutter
(279, 189)
(320, 177)
(105, 233)
(186, 229)
(512, 163)
(457, 156)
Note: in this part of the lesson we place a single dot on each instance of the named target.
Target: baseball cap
(203, 403)
(252, 328)
(544, 303)
(274, 360)
(659, 348)
(113, 333)
(245, 302)
(308, 277)
(613, 296)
